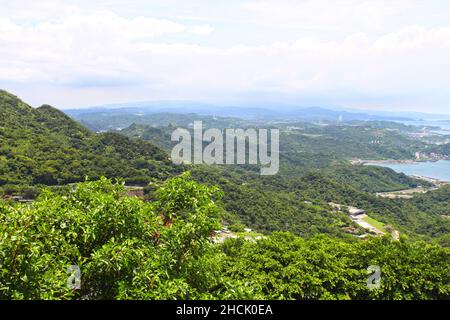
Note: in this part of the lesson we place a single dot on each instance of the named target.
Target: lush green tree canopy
(130, 249)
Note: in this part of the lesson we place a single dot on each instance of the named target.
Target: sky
(389, 55)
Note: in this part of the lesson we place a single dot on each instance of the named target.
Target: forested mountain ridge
(315, 148)
(314, 168)
(300, 204)
(165, 246)
(44, 146)
(123, 115)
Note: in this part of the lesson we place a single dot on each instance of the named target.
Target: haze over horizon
(190, 106)
(362, 54)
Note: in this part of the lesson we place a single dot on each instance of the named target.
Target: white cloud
(354, 15)
(132, 57)
(202, 30)
(81, 45)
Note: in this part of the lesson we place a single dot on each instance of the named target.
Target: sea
(438, 170)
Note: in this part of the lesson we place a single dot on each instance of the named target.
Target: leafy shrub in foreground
(130, 249)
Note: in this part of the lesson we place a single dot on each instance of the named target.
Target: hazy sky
(387, 54)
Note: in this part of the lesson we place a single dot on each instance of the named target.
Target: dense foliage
(327, 148)
(130, 249)
(127, 248)
(315, 171)
(120, 243)
(300, 204)
(284, 266)
(44, 146)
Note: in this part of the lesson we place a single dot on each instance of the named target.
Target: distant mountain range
(254, 113)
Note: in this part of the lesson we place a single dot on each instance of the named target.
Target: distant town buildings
(430, 156)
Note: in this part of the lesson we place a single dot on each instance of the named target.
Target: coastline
(434, 180)
(389, 161)
(430, 179)
(394, 161)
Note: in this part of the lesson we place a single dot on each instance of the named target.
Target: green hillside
(44, 146)
(126, 248)
(164, 246)
(315, 171)
(325, 148)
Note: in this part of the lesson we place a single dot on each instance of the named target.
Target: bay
(437, 170)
